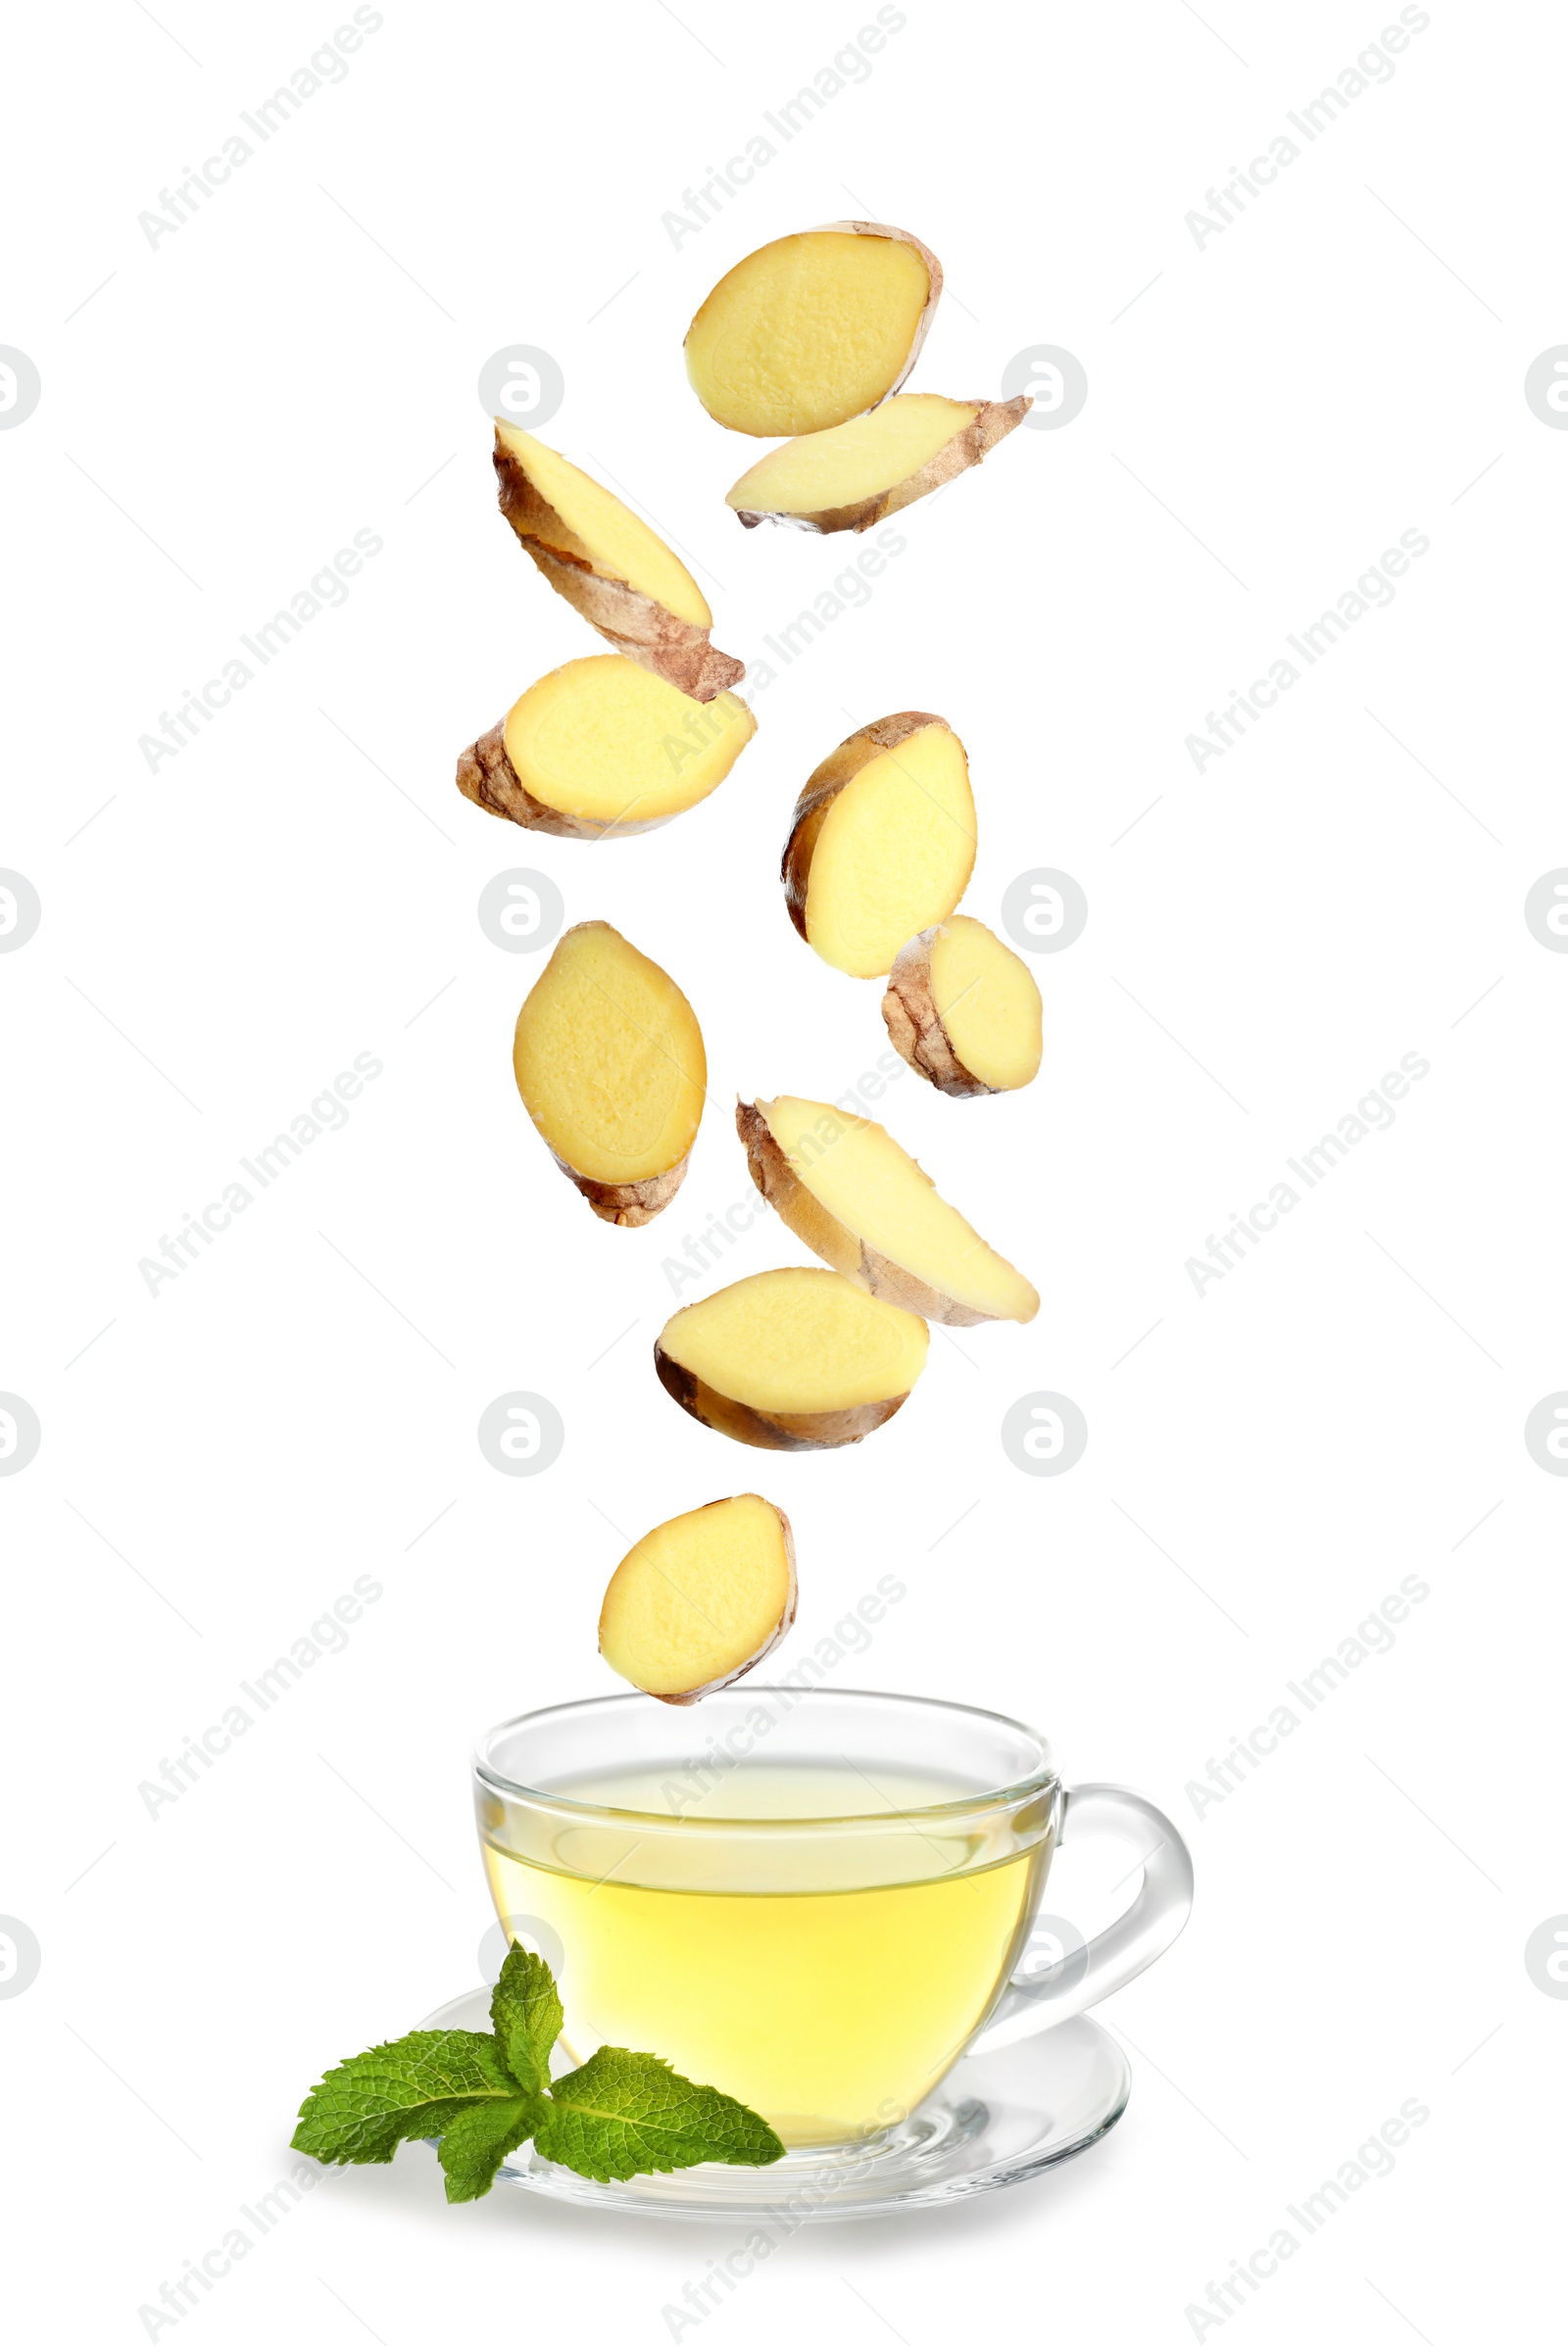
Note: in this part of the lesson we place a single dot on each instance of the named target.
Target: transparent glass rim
(1044, 1779)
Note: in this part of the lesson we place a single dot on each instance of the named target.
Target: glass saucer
(996, 2119)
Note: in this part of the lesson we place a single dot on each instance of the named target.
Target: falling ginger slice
(610, 565)
(859, 473)
(610, 1062)
(882, 841)
(964, 1011)
(701, 1600)
(602, 748)
(862, 1202)
(791, 1360)
(814, 329)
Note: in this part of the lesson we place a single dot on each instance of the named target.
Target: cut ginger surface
(813, 328)
(595, 526)
(857, 473)
(792, 1359)
(701, 1600)
(602, 749)
(609, 1063)
(964, 1010)
(847, 1190)
(882, 842)
(610, 565)
(606, 741)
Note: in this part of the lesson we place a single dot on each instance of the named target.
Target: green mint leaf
(624, 2114)
(363, 2109)
(525, 2014)
(477, 2139)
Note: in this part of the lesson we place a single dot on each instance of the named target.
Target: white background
(1267, 412)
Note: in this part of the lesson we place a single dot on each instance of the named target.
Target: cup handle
(1128, 1945)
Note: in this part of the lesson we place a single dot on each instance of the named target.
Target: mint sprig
(620, 2114)
(525, 2015)
(395, 2092)
(624, 2114)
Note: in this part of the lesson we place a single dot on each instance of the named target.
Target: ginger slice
(701, 1600)
(882, 841)
(610, 565)
(812, 329)
(609, 1063)
(964, 1011)
(792, 1361)
(855, 1197)
(602, 748)
(859, 473)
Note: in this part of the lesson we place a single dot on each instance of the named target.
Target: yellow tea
(823, 1974)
